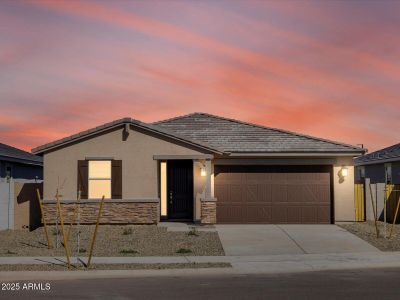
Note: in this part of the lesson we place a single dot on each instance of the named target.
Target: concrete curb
(241, 265)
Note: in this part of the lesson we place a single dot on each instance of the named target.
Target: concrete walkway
(289, 239)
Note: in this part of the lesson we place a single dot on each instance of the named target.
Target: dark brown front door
(180, 189)
(273, 194)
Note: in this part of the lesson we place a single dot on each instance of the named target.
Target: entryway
(245, 240)
(180, 190)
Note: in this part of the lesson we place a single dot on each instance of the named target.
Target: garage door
(273, 194)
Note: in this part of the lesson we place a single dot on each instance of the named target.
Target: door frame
(190, 212)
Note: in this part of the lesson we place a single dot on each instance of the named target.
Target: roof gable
(119, 123)
(234, 136)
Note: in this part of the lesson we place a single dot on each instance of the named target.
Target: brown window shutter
(116, 179)
(83, 178)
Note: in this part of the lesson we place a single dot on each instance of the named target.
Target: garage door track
(247, 240)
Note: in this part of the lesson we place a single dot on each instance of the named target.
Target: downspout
(9, 202)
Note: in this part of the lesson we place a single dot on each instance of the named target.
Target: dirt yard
(366, 231)
(113, 240)
(52, 267)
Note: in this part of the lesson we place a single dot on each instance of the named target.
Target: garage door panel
(222, 193)
(281, 195)
(324, 214)
(256, 213)
(232, 213)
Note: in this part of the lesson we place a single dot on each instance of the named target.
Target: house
(16, 163)
(20, 174)
(382, 166)
(202, 168)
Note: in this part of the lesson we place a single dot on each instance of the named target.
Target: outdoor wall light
(203, 171)
(344, 172)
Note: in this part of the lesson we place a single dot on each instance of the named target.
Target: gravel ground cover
(366, 231)
(113, 240)
(52, 267)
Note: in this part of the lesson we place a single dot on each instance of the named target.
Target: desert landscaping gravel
(53, 267)
(113, 240)
(366, 231)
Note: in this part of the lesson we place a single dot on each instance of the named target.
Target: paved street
(360, 284)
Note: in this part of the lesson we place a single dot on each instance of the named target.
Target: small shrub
(183, 251)
(10, 252)
(193, 231)
(82, 250)
(55, 231)
(128, 251)
(127, 231)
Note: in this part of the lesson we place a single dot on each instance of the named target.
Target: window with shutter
(100, 177)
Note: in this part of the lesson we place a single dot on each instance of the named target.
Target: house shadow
(27, 198)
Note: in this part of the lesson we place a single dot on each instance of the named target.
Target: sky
(330, 69)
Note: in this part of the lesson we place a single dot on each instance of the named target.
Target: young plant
(183, 251)
(127, 231)
(128, 251)
(193, 231)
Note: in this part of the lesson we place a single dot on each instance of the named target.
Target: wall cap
(86, 201)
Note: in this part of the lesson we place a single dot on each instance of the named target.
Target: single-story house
(16, 163)
(21, 174)
(382, 166)
(202, 168)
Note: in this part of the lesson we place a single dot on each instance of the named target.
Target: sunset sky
(325, 68)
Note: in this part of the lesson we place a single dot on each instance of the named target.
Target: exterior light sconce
(344, 172)
(203, 171)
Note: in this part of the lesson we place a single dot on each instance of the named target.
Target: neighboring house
(201, 168)
(20, 174)
(382, 166)
(18, 164)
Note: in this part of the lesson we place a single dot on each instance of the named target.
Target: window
(99, 179)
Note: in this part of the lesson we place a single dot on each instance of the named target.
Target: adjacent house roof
(223, 136)
(9, 153)
(388, 154)
(233, 136)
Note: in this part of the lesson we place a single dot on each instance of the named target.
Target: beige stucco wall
(139, 169)
(344, 191)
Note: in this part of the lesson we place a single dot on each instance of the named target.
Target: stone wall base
(208, 212)
(113, 212)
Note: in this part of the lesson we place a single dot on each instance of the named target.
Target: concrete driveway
(289, 239)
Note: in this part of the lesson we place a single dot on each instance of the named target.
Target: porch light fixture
(203, 172)
(344, 172)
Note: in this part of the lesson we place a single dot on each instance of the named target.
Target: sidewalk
(269, 264)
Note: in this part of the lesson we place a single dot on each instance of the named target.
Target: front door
(180, 189)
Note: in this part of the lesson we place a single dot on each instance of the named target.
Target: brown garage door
(273, 194)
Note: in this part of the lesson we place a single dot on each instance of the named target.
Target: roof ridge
(281, 130)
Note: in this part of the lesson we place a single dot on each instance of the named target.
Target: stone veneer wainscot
(114, 211)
